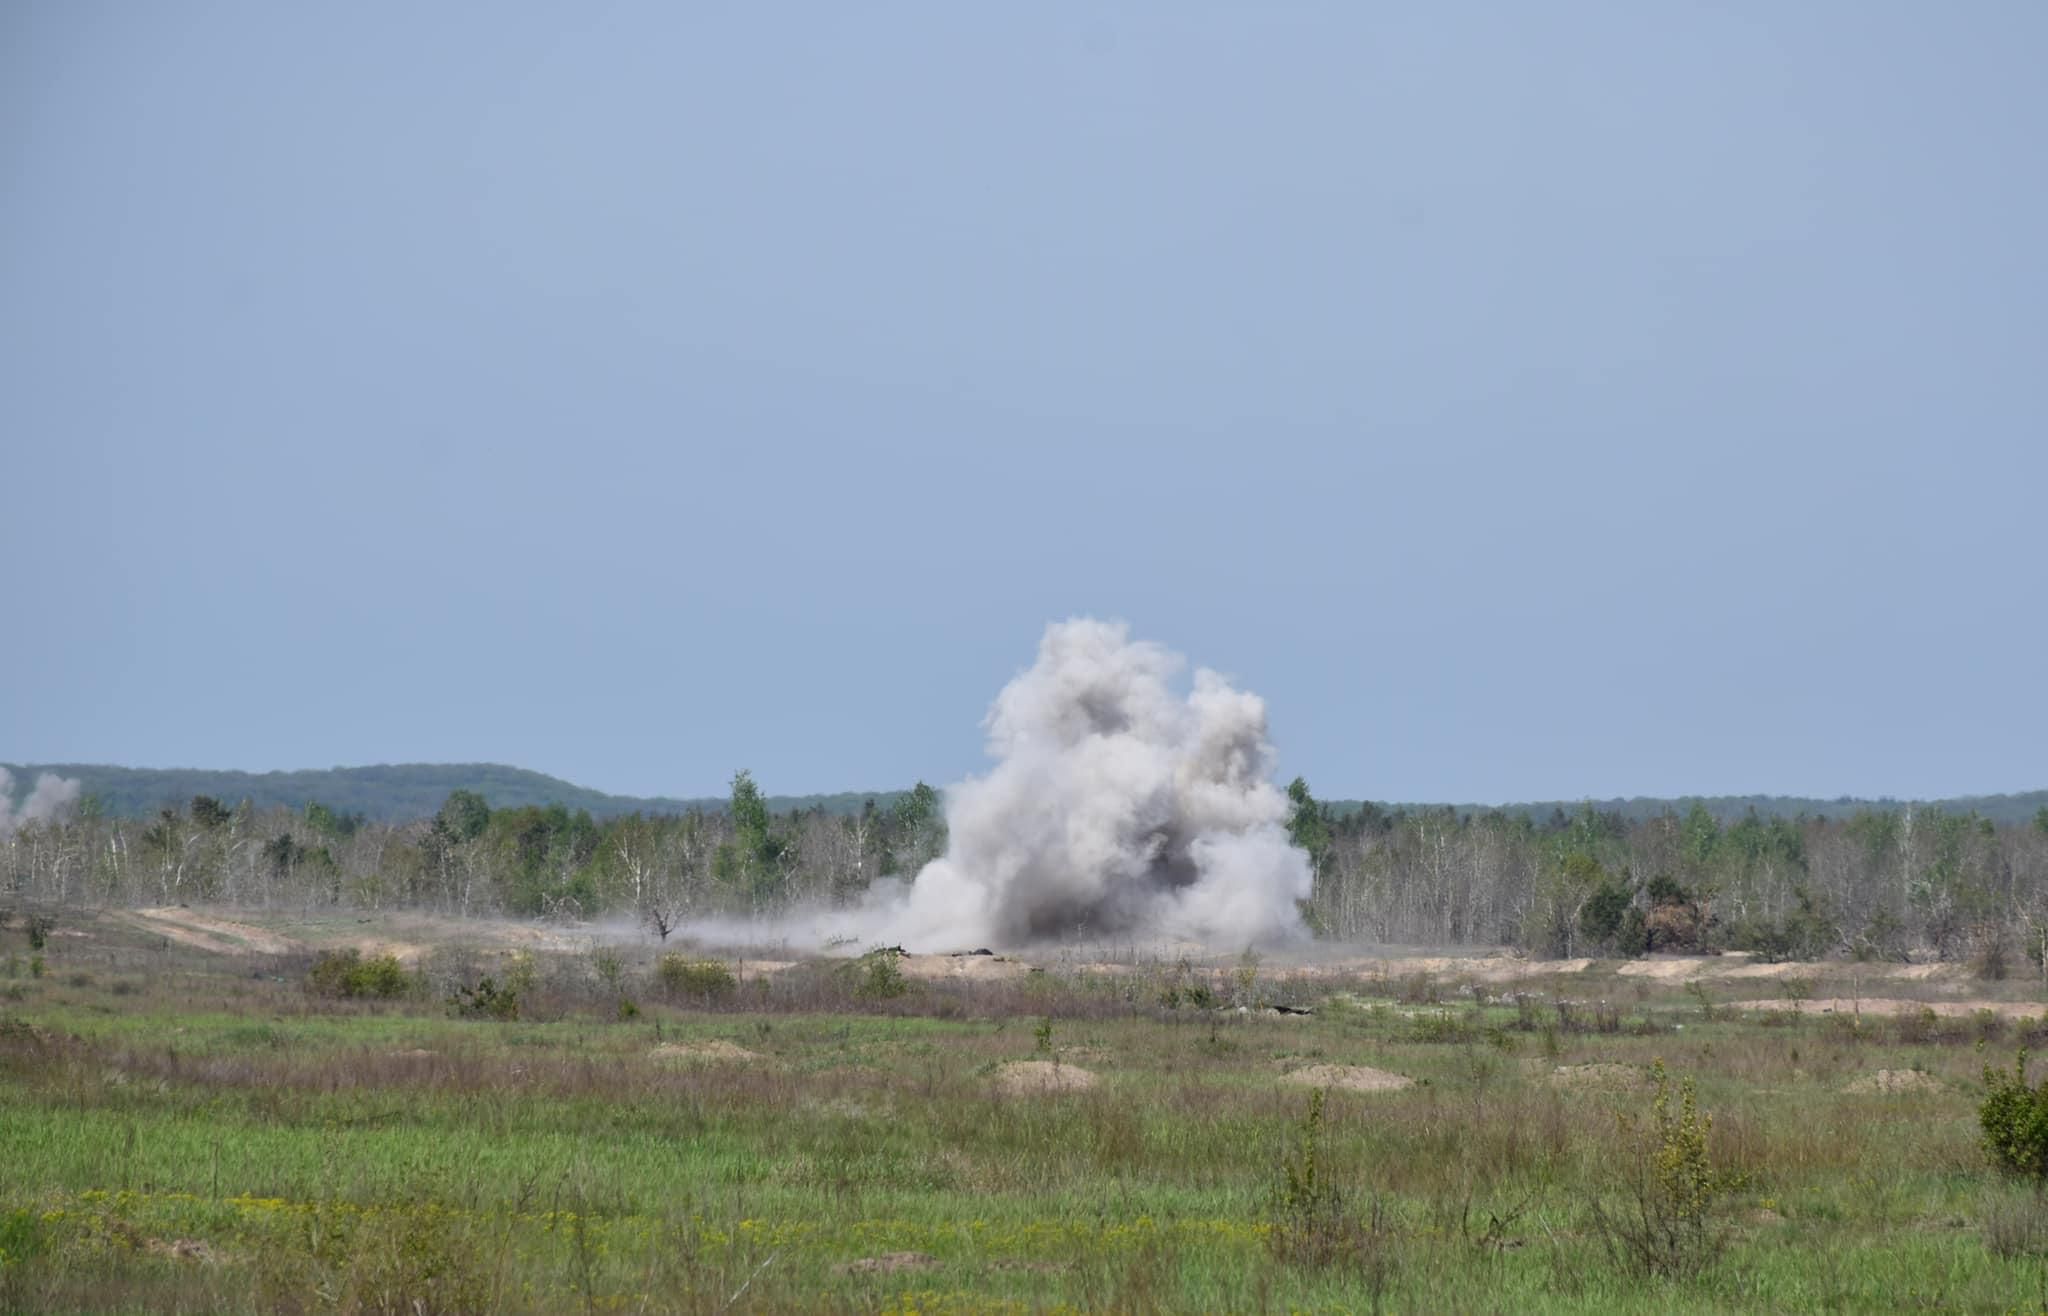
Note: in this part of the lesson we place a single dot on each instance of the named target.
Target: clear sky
(1530, 401)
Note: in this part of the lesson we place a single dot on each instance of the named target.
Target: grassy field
(193, 1130)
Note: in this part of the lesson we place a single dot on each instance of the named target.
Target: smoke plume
(1117, 805)
(52, 798)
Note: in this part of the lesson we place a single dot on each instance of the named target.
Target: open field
(185, 1127)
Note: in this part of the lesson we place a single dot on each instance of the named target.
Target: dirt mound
(1660, 969)
(949, 968)
(1605, 1077)
(889, 1263)
(1894, 1081)
(716, 1048)
(1352, 1078)
(1029, 1077)
(182, 1249)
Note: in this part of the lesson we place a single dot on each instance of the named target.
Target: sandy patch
(1887, 1005)
(219, 935)
(716, 1048)
(1894, 1081)
(1781, 969)
(1352, 1078)
(182, 1249)
(1662, 970)
(951, 968)
(1606, 1077)
(405, 952)
(1493, 968)
(1032, 1077)
(889, 1263)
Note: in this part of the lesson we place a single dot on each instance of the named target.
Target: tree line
(1879, 883)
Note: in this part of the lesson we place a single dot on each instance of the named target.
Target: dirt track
(205, 932)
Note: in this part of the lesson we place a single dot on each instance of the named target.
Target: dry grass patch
(1352, 1078)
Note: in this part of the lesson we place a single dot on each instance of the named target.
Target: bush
(346, 975)
(2014, 1118)
(1314, 1224)
(486, 1000)
(704, 980)
(1671, 1223)
(878, 977)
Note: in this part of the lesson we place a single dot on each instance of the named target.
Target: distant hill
(396, 792)
(2018, 808)
(391, 792)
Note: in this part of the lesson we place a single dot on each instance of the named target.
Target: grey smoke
(51, 799)
(1117, 805)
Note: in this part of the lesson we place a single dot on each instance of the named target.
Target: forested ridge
(409, 792)
(1911, 881)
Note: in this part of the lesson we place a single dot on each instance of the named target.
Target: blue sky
(1529, 401)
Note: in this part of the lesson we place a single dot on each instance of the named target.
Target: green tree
(917, 830)
(210, 813)
(752, 862)
(464, 815)
(1308, 823)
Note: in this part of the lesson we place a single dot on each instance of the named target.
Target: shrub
(346, 975)
(2014, 1118)
(39, 926)
(1671, 1224)
(878, 977)
(486, 1000)
(704, 980)
(1315, 1225)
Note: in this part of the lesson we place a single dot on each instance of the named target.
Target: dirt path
(218, 935)
(1886, 1005)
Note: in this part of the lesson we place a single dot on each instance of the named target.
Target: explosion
(1116, 806)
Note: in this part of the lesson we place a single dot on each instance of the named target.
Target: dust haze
(52, 798)
(1119, 805)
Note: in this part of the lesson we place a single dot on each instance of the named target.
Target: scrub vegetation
(202, 1129)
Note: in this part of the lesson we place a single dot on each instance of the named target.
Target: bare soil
(889, 1263)
(1598, 1077)
(1888, 1005)
(974, 968)
(716, 1048)
(1894, 1081)
(1036, 1077)
(220, 935)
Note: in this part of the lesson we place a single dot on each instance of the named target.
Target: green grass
(305, 1158)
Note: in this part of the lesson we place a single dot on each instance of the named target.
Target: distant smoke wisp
(1116, 806)
(53, 797)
